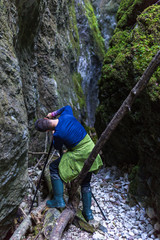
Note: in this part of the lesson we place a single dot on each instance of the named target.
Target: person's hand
(49, 115)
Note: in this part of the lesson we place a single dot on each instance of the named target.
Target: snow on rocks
(110, 189)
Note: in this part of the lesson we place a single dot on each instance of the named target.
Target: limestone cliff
(14, 127)
(43, 48)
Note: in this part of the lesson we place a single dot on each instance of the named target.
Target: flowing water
(89, 65)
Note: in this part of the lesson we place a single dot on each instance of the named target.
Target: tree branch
(125, 107)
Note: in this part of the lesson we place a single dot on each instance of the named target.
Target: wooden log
(27, 222)
(47, 179)
(22, 229)
(50, 218)
(66, 217)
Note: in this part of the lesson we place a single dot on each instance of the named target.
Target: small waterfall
(89, 67)
(89, 63)
(105, 11)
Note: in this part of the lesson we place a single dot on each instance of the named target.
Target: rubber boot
(57, 201)
(86, 200)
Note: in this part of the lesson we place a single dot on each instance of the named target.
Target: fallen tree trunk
(22, 229)
(66, 216)
(124, 108)
(27, 222)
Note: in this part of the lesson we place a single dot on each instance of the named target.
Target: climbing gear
(86, 200)
(99, 206)
(38, 185)
(57, 201)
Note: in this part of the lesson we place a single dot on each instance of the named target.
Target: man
(69, 132)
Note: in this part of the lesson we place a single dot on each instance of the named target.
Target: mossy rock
(128, 11)
(136, 140)
(131, 50)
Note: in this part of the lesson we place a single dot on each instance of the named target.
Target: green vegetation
(74, 35)
(95, 31)
(128, 11)
(131, 50)
(77, 80)
(146, 45)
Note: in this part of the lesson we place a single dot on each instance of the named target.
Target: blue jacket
(68, 131)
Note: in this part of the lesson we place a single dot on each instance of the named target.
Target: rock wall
(14, 127)
(35, 79)
(40, 53)
(45, 60)
(136, 139)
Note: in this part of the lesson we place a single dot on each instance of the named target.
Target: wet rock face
(106, 14)
(13, 130)
(45, 60)
(39, 54)
(33, 46)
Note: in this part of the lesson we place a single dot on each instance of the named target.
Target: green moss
(95, 31)
(133, 173)
(128, 11)
(74, 35)
(37, 229)
(133, 187)
(77, 80)
(129, 54)
(136, 47)
(146, 45)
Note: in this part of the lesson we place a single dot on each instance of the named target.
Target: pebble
(110, 188)
(123, 222)
(151, 213)
(157, 226)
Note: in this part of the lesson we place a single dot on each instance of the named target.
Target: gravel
(110, 189)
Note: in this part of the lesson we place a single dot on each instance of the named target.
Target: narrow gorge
(87, 54)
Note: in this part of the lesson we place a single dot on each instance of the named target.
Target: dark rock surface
(39, 57)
